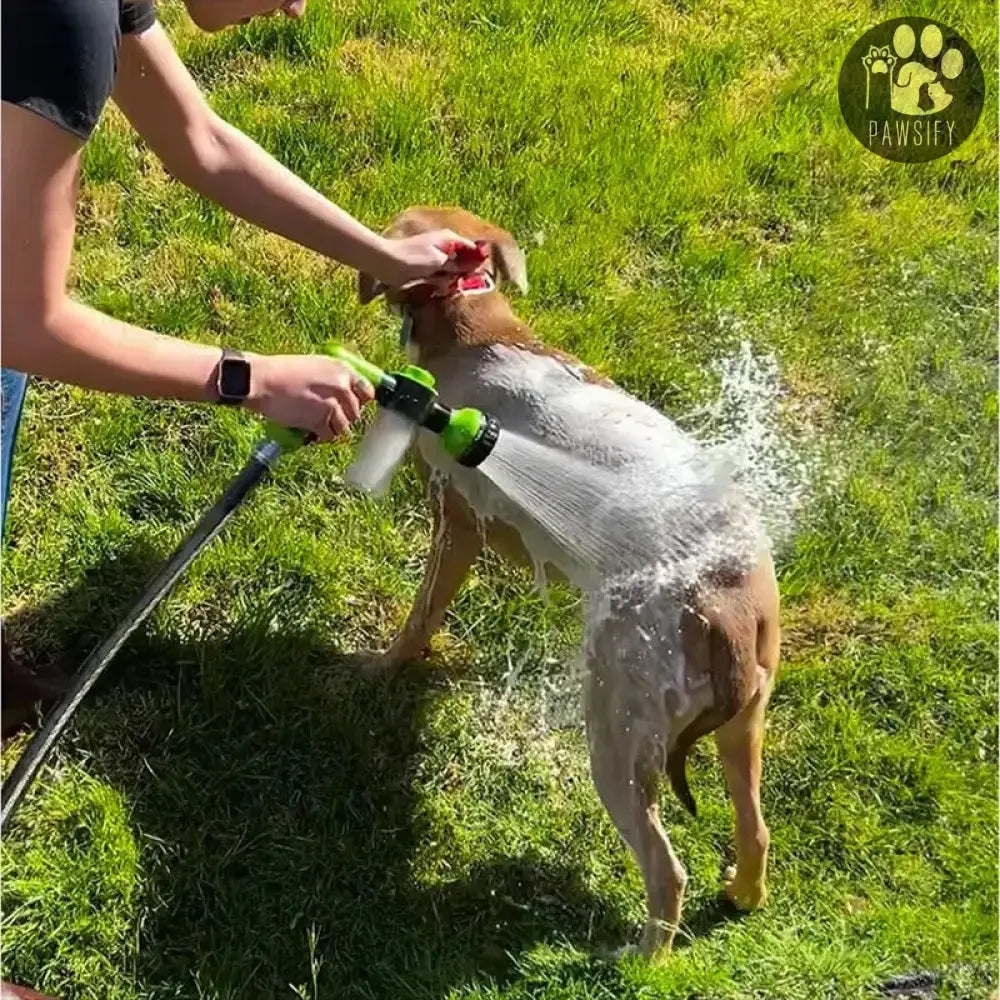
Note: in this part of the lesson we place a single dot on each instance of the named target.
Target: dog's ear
(509, 259)
(369, 288)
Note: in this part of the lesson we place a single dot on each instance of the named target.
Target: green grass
(240, 812)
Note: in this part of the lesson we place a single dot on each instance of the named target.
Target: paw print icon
(911, 89)
(918, 88)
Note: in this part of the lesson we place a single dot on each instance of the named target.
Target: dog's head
(505, 261)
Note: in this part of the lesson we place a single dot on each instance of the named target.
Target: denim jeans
(12, 388)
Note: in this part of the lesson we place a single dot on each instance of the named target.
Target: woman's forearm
(79, 345)
(235, 172)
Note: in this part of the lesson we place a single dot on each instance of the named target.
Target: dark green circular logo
(911, 89)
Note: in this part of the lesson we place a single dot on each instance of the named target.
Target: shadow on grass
(276, 788)
(700, 920)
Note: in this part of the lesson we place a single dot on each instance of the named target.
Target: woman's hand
(310, 393)
(213, 15)
(420, 256)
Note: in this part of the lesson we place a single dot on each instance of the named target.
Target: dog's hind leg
(739, 742)
(455, 545)
(628, 790)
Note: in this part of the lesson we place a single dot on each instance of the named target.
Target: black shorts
(60, 57)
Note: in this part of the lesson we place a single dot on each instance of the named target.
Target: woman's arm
(163, 102)
(46, 333)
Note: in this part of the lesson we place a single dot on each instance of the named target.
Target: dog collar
(447, 287)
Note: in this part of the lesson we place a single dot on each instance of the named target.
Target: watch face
(234, 379)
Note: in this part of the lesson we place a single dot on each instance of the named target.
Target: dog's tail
(676, 766)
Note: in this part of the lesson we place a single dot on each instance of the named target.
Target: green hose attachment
(286, 438)
(468, 435)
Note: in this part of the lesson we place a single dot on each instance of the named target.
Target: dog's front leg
(456, 544)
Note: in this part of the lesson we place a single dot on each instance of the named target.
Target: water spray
(408, 401)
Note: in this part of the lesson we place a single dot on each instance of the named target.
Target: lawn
(241, 812)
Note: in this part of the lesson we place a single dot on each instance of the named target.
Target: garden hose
(467, 435)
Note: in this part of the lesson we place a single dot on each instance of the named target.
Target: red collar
(449, 286)
(473, 280)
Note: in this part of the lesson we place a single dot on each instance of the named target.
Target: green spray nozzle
(468, 435)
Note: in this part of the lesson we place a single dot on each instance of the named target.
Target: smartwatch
(232, 380)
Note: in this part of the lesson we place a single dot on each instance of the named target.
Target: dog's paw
(655, 945)
(752, 896)
(657, 940)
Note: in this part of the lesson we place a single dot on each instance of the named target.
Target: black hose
(207, 528)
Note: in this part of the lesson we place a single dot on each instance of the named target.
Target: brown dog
(666, 663)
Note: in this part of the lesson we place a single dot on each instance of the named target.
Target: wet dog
(669, 659)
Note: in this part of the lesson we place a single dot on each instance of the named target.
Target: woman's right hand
(420, 256)
(310, 393)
